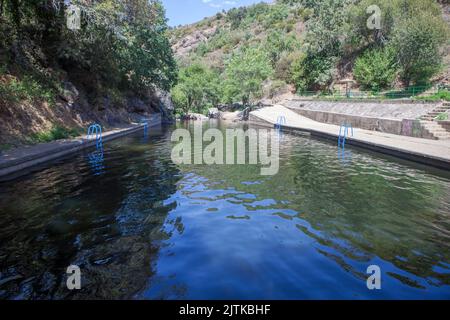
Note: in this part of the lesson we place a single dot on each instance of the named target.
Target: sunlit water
(142, 227)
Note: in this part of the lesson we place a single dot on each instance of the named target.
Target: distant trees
(245, 72)
(197, 89)
(376, 69)
(414, 29)
(324, 40)
(311, 43)
(418, 41)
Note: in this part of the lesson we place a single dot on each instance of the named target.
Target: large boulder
(214, 113)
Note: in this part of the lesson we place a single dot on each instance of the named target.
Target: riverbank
(435, 153)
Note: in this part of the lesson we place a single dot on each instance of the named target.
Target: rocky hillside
(114, 68)
(313, 44)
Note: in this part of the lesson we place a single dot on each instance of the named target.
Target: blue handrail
(145, 123)
(343, 133)
(96, 159)
(280, 122)
(97, 130)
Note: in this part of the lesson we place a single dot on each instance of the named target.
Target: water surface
(142, 227)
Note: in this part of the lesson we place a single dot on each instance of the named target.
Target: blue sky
(189, 11)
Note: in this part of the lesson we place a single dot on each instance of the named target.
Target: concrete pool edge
(63, 148)
(410, 155)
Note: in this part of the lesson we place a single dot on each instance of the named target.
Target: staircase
(430, 116)
(435, 129)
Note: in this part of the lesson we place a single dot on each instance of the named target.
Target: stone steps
(431, 116)
(435, 129)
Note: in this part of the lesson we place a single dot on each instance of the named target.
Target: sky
(190, 11)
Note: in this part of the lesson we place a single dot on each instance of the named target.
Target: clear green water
(141, 227)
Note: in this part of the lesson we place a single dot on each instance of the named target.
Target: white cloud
(220, 4)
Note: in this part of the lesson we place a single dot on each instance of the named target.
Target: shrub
(245, 73)
(313, 71)
(55, 133)
(376, 69)
(28, 88)
(417, 41)
(440, 95)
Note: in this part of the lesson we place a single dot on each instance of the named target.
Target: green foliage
(376, 69)
(414, 29)
(442, 116)
(440, 95)
(327, 26)
(409, 44)
(418, 40)
(198, 88)
(28, 89)
(359, 35)
(313, 72)
(121, 44)
(283, 67)
(55, 133)
(277, 44)
(235, 16)
(245, 73)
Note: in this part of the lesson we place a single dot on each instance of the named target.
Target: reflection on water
(148, 229)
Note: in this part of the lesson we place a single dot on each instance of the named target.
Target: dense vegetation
(311, 45)
(121, 48)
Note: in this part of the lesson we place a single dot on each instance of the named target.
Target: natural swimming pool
(140, 226)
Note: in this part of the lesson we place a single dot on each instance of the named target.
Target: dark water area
(141, 227)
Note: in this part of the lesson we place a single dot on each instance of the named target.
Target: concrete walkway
(425, 151)
(15, 161)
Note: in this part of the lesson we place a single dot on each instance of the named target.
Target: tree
(418, 41)
(314, 71)
(197, 89)
(376, 68)
(245, 73)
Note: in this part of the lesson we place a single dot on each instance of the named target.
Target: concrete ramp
(270, 116)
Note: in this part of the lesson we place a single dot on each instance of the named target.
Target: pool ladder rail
(95, 130)
(344, 133)
(145, 124)
(281, 121)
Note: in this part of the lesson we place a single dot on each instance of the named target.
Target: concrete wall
(445, 124)
(387, 110)
(394, 124)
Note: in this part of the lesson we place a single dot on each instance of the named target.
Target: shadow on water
(107, 221)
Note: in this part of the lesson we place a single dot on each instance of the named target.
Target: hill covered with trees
(54, 79)
(263, 50)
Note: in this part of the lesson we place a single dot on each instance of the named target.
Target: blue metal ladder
(96, 130)
(344, 133)
(281, 121)
(145, 123)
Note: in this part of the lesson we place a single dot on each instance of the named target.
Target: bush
(441, 95)
(245, 73)
(376, 69)
(28, 88)
(313, 71)
(417, 41)
(55, 133)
